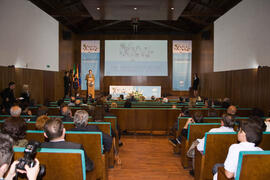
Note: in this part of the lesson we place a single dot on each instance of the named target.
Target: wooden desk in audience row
(150, 120)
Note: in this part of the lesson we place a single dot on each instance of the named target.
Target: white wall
(29, 37)
(242, 36)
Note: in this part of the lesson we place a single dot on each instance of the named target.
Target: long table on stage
(146, 120)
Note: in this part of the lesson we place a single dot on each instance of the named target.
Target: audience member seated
(231, 110)
(109, 97)
(113, 105)
(212, 112)
(267, 123)
(226, 103)
(41, 121)
(6, 154)
(153, 98)
(72, 101)
(67, 113)
(81, 124)
(227, 124)
(99, 112)
(128, 104)
(54, 131)
(257, 112)
(121, 97)
(197, 117)
(249, 136)
(77, 102)
(42, 110)
(165, 100)
(15, 127)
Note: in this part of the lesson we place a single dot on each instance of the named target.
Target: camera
(29, 158)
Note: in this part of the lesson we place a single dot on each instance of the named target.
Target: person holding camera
(6, 154)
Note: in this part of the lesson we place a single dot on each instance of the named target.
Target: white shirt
(231, 161)
(200, 146)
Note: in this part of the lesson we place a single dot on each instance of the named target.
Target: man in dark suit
(54, 131)
(81, 124)
(8, 96)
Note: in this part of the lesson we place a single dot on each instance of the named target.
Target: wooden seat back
(103, 126)
(195, 131)
(66, 164)
(92, 143)
(253, 165)
(216, 150)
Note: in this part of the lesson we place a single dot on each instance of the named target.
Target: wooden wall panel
(246, 88)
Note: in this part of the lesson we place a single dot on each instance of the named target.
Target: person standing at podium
(90, 82)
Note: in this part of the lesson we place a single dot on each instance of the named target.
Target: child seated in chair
(249, 136)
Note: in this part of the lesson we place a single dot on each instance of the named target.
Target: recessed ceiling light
(98, 8)
(135, 8)
(172, 8)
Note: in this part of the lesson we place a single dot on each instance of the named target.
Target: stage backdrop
(182, 54)
(90, 59)
(136, 58)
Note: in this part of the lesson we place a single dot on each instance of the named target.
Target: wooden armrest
(221, 174)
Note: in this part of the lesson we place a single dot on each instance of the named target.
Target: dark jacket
(196, 83)
(67, 81)
(67, 119)
(70, 145)
(8, 93)
(107, 139)
(26, 97)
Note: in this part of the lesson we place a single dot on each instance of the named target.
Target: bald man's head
(15, 111)
(231, 110)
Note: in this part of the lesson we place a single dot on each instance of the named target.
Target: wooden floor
(147, 158)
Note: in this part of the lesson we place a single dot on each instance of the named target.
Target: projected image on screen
(136, 58)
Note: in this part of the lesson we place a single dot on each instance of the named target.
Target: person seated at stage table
(41, 121)
(15, 127)
(249, 136)
(42, 110)
(55, 132)
(67, 113)
(197, 117)
(81, 124)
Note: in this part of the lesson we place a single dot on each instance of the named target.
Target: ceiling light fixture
(98, 8)
(172, 8)
(135, 9)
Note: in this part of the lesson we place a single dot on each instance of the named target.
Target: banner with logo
(182, 58)
(90, 59)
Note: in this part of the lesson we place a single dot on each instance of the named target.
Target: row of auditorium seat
(216, 149)
(70, 164)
